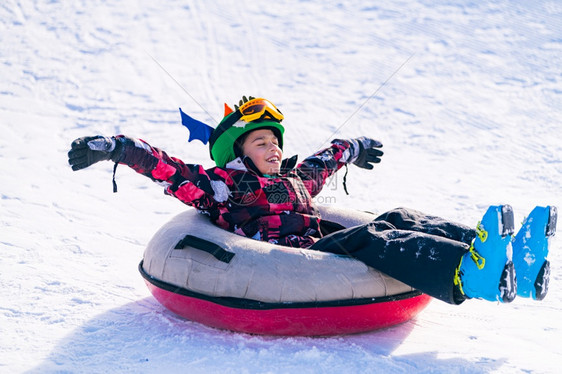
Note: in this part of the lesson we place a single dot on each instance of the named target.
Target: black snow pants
(419, 250)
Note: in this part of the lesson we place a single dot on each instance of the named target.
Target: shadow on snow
(145, 337)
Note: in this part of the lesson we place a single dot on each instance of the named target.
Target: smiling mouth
(273, 159)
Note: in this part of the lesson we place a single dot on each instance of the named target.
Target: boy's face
(262, 146)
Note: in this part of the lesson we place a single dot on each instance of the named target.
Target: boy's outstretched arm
(189, 183)
(316, 169)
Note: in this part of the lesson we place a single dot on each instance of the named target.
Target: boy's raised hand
(363, 151)
(368, 153)
(88, 150)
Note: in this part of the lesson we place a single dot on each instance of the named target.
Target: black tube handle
(217, 251)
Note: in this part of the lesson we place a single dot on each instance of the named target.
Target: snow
(465, 96)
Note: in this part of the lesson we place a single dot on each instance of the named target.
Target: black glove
(243, 101)
(88, 150)
(363, 151)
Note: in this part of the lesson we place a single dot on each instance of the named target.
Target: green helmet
(252, 115)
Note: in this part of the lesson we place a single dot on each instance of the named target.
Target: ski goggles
(259, 109)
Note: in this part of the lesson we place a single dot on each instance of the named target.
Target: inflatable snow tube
(208, 275)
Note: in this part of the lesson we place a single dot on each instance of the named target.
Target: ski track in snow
(472, 119)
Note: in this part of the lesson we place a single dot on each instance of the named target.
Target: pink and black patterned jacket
(238, 197)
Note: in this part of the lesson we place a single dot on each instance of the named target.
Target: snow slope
(466, 97)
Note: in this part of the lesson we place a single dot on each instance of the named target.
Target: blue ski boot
(487, 271)
(530, 248)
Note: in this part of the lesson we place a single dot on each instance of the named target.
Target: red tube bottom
(318, 321)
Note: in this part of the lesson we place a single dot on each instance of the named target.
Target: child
(253, 192)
